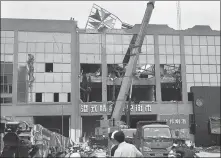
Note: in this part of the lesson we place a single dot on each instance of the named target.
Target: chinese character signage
(99, 109)
(176, 121)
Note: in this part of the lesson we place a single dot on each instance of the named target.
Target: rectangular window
(187, 40)
(192, 122)
(195, 40)
(205, 78)
(190, 96)
(56, 97)
(8, 100)
(189, 68)
(196, 68)
(2, 100)
(210, 40)
(38, 97)
(203, 40)
(4, 79)
(189, 59)
(69, 97)
(197, 77)
(169, 40)
(48, 67)
(189, 78)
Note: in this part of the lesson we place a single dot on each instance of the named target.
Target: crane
(115, 122)
(131, 66)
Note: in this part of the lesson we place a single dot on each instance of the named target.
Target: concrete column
(157, 69)
(15, 70)
(104, 70)
(183, 70)
(75, 84)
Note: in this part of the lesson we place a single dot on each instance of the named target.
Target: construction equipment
(131, 58)
(115, 122)
(153, 138)
(132, 64)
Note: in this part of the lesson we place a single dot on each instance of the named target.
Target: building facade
(77, 73)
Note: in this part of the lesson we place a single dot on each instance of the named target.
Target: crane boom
(131, 67)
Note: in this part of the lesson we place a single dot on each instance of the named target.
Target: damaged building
(76, 74)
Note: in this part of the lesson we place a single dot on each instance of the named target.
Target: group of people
(120, 148)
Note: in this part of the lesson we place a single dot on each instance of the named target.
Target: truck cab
(129, 134)
(153, 139)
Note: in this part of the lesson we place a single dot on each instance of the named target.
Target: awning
(214, 124)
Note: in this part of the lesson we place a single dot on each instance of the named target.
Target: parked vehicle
(153, 138)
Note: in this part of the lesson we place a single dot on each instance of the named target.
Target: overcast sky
(131, 12)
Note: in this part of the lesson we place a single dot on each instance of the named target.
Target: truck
(153, 138)
(129, 134)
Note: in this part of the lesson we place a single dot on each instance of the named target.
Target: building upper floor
(40, 53)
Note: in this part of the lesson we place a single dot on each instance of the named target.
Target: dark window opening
(112, 92)
(143, 93)
(94, 94)
(90, 87)
(2, 88)
(56, 97)
(6, 100)
(48, 67)
(38, 97)
(171, 94)
(171, 83)
(6, 67)
(145, 74)
(146, 71)
(139, 93)
(115, 70)
(192, 123)
(3, 79)
(190, 96)
(93, 69)
(6, 88)
(69, 97)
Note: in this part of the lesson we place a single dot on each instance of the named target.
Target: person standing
(125, 149)
(114, 144)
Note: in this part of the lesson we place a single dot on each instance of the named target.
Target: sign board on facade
(214, 125)
(91, 108)
(176, 121)
(111, 31)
